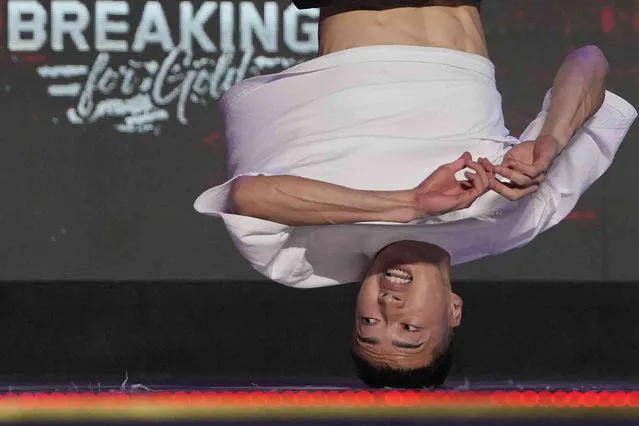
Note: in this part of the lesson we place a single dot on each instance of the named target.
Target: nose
(387, 299)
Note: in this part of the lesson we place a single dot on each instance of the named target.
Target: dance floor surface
(460, 404)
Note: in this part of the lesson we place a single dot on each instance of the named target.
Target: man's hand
(578, 92)
(525, 166)
(442, 193)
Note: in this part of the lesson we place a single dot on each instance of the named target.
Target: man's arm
(578, 93)
(297, 201)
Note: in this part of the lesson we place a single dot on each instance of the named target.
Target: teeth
(398, 273)
(398, 280)
(398, 276)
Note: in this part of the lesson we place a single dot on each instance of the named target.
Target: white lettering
(153, 28)
(308, 29)
(69, 18)
(104, 26)
(264, 28)
(227, 26)
(198, 67)
(85, 103)
(65, 90)
(193, 26)
(163, 76)
(21, 24)
(239, 25)
(60, 71)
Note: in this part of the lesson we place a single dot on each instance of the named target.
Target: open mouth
(398, 276)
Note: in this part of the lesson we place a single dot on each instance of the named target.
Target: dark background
(106, 268)
(245, 333)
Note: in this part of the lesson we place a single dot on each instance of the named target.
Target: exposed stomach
(457, 28)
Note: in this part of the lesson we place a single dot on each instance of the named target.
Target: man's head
(404, 318)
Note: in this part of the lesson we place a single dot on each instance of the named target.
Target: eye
(409, 327)
(368, 321)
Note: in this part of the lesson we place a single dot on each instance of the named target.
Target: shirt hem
(377, 54)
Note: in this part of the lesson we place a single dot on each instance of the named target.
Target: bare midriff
(457, 28)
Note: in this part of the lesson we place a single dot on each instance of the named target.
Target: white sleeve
(261, 242)
(587, 157)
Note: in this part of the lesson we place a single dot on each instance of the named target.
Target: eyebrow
(398, 344)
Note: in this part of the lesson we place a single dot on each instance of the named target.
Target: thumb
(542, 164)
(460, 163)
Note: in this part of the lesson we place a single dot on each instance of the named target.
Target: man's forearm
(578, 93)
(296, 201)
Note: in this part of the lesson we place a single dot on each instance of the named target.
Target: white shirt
(384, 118)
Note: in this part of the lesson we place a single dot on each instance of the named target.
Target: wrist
(403, 207)
(560, 133)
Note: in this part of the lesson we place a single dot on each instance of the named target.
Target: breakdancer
(385, 160)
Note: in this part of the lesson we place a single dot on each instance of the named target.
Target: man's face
(405, 308)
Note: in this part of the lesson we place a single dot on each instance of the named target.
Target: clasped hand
(525, 166)
(442, 193)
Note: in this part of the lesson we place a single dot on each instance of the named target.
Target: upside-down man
(385, 161)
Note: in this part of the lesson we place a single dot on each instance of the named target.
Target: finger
(481, 181)
(512, 194)
(532, 171)
(514, 176)
(484, 175)
(481, 184)
(504, 190)
(460, 163)
(536, 181)
(537, 174)
(501, 188)
(466, 185)
(474, 184)
(468, 198)
(523, 193)
(487, 165)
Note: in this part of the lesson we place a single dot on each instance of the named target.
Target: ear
(456, 311)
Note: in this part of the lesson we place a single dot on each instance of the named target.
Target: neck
(414, 252)
(438, 259)
(434, 255)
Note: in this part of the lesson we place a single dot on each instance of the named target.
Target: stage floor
(460, 404)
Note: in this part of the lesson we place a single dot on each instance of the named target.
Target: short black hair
(428, 377)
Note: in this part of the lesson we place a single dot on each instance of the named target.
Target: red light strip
(298, 405)
(342, 399)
